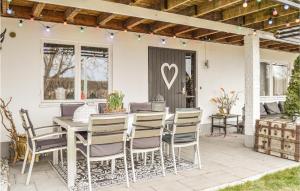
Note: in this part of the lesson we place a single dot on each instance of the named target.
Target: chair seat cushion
(50, 143)
(102, 150)
(146, 143)
(180, 138)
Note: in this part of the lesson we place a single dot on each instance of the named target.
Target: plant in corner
(292, 103)
(225, 101)
(115, 102)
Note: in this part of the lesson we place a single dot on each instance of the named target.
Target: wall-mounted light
(20, 23)
(9, 11)
(163, 41)
(48, 29)
(65, 22)
(112, 35)
(274, 12)
(81, 29)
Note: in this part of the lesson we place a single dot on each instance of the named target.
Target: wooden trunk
(278, 137)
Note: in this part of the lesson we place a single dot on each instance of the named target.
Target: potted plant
(115, 102)
(225, 102)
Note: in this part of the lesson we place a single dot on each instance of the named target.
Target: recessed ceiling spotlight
(245, 4)
(48, 29)
(286, 6)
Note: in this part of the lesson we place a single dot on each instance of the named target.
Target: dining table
(72, 128)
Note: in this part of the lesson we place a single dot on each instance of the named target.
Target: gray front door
(171, 73)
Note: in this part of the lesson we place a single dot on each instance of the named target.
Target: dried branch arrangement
(9, 125)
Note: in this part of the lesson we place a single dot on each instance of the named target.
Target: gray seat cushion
(180, 138)
(272, 108)
(281, 106)
(139, 107)
(263, 111)
(50, 143)
(146, 143)
(103, 150)
(67, 110)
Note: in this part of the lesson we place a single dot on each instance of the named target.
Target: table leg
(225, 126)
(55, 153)
(237, 124)
(212, 126)
(71, 152)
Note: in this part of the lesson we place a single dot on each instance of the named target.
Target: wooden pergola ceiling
(255, 15)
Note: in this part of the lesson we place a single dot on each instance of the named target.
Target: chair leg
(137, 157)
(152, 157)
(113, 166)
(126, 171)
(89, 174)
(145, 158)
(178, 153)
(132, 166)
(198, 155)
(174, 158)
(162, 161)
(61, 158)
(30, 168)
(25, 160)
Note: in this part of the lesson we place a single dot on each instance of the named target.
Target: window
(94, 75)
(273, 79)
(74, 72)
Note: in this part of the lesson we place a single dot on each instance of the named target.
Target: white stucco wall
(21, 65)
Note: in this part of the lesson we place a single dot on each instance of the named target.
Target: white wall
(21, 73)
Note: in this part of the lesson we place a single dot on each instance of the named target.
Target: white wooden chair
(106, 140)
(185, 132)
(146, 136)
(39, 144)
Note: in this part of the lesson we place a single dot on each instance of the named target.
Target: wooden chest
(278, 137)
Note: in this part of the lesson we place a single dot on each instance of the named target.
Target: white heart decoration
(162, 69)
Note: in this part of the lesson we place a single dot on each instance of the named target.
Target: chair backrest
(26, 123)
(146, 125)
(139, 107)
(67, 110)
(101, 107)
(107, 129)
(187, 121)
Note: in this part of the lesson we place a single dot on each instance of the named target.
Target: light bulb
(163, 41)
(274, 12)
(254, 32)
(139, 37)
(174, 36)
(270, 21)
(9, 11)
(288, 24)
(286, 6)
(20, 23)
(297, 20)
(48, 29)
(81, 29)
(112, 35)
(65, 23)
(245, 4)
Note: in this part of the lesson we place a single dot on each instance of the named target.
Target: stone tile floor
(225, 161)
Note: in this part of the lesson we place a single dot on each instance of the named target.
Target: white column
(252, 87)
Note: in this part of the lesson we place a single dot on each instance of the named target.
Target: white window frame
(77, 83)
(271, 97)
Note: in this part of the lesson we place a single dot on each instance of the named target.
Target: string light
(81, 29)
(48, 29)
(125, 30)
(9, 1)
(112, 35)
(258, 1)
(174, 36)
(9, 11)
(139, 37)
(270, 21)
(245, 4)
(20, 23)
(286, 6)
(274, 12)
(287, 24)
(31, 18)
(65, 22)
(163, 41)
(297, 20)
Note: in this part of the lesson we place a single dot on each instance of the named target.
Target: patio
(225, 162)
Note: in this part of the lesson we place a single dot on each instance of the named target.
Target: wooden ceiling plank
(208, 7)
(224, 37)
(37, 9)
(158, 26)
(105, 18)
(281, 21)
(252, 7)
(71, 13)
(132, 22)
(182, 30)
(203, 34)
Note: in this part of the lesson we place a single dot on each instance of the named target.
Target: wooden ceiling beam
(105, 18)
(5, 6)
(37, 9)
(158, 26)
(222, 37)
(71, 13)
(202, 33)
(183, 29)
(208, 7)
(133, 22)
(173, 4)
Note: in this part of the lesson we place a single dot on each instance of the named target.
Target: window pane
(264, 79)
(190, 80)
(59, 71)
(280, 74)
(94, 73)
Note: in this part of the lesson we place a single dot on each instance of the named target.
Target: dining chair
(146, 136)
(135, 107)
(39, 144)
(106, 140)
(67, 110)
(184, 132)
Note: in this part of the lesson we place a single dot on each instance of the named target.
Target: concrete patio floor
(225, 161)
